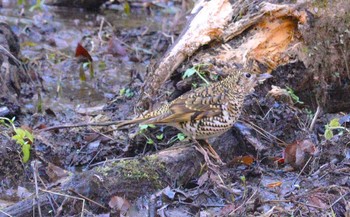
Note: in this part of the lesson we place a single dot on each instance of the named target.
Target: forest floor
(255, 181)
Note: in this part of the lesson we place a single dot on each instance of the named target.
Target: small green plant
(293, 95)
(90, 66)
(160, 136)
(38, 5)
(196, 70)
(126, 92)
(143, 128)
(334, 125)
(179, 136)
(22, 137)
(244, 181)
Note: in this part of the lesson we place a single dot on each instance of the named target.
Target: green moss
(320, 3)
(104, 170)
(142, 169)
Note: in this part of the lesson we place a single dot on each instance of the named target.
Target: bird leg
(212, 151)
(205, 148)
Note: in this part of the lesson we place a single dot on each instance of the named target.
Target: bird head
(248, 81)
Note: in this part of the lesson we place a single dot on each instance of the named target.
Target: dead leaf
(297, 153)
(203, 179)
(115, 47)
(55, 173)
(247, 160)
(120, 204)
(80, 51)
(280, 94)
(274, 184)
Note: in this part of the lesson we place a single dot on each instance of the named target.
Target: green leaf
(29, 136)
(91, 70)
(160, 136)
(150, 141)
(181, 136)
(127, 8)
(102, 65)
(294, 96)
(334, 122)
(328, 134)
(20, 132)
(122, 91)
(189, 72)
(26, 152)
(152, 126)
(129, 93)
(82, 75)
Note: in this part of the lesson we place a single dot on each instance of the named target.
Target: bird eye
(247, 75)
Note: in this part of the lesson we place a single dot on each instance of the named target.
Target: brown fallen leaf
(247, 160)
(80, 51)
(120, 204)
(297, 153)
(280, 94)
(274, 184)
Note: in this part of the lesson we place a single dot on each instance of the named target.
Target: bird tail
(129, 122)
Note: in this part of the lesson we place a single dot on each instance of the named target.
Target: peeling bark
(270, 30)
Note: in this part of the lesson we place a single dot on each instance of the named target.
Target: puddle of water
(69, 26)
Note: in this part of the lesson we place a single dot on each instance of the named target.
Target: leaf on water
(82, 75)
(80, 51)
(127, 8)
(91, 70)
(102, 65)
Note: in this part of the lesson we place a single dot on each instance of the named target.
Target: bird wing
(192, 106)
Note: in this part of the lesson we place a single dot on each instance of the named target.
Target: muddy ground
(124, 47)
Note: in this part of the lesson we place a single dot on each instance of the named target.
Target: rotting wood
(207, 24)
(131, 178)
(272, 30)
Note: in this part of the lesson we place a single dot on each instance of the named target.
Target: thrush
(207, 111)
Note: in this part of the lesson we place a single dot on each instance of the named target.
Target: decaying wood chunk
(206, 25)
(129, 178)
(269, 32)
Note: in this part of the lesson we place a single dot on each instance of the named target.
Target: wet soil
(124, 48)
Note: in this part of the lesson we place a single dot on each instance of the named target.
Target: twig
(313, 122)
(302, 170)
(5, 213)
(262, 131)
(79, 125)
(88, 199)
(100, 29)
(65, 195)
(244, 203)
(35, 174)
(337, 200)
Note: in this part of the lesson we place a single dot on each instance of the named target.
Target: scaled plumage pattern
(207, 111)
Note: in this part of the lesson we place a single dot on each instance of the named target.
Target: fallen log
(130, 178)
(269, 31)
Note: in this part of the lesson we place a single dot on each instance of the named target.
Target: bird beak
(263, 77)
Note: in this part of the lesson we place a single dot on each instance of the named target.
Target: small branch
(88, 199)
(313, 122)
(80, 125)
